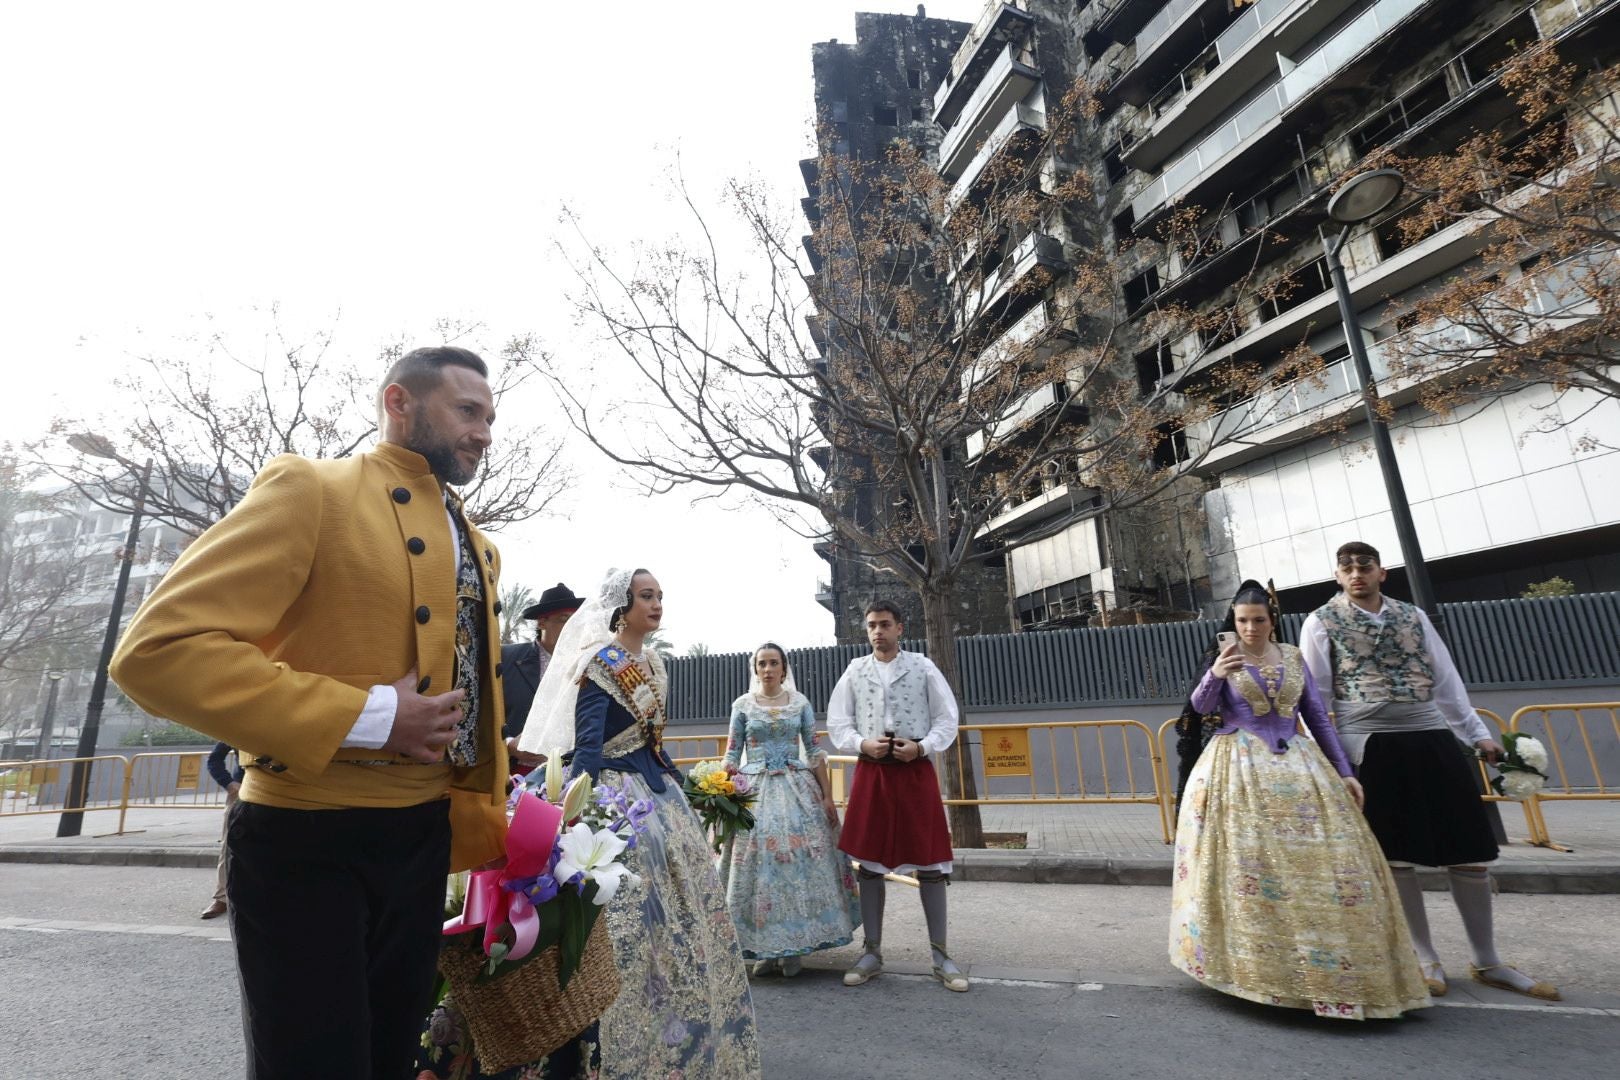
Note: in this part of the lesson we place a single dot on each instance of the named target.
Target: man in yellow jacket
(340, 628)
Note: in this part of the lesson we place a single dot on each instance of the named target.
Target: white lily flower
(595, 855)
(554, 776)
(578, 796)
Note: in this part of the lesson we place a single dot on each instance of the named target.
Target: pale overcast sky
(397, 162)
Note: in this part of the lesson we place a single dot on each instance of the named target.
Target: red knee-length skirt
(895, 819)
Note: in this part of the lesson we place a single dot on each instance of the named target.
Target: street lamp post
(72, 810)
(42, 748)
(1362, 198)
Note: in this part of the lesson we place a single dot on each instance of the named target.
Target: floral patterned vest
(903, 710)
(1377, 661)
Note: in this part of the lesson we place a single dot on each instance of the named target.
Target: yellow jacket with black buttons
(330, 577)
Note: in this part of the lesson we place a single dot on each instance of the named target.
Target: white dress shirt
(942, 719)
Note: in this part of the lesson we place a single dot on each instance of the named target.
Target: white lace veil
(550, 727)
(754, 685)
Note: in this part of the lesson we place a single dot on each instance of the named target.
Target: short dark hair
(420, 370)
(1356, 547)
(885, 605)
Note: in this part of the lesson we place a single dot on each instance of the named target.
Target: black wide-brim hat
(557, 598)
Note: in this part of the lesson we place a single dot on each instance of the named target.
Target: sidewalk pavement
(1064, 843)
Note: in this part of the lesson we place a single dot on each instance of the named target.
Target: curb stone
(1038, 867)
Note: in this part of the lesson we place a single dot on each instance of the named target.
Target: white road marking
(64, 926)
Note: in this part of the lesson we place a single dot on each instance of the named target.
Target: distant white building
(91, 539)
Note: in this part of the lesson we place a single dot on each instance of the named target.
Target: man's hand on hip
(423, 726)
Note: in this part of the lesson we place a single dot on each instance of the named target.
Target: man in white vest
(897, 711)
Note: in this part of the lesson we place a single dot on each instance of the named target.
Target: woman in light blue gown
(788, 888)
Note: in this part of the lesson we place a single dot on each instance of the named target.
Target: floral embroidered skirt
(684, 1008)
(788, 887)
(1280, 893)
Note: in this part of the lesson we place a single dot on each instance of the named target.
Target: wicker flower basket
(523, 1015)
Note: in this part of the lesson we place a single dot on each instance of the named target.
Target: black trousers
(337, 917)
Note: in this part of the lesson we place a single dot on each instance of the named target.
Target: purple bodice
(1278, 723)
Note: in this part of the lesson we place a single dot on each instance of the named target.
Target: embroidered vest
(901, 708)
(1377, 661)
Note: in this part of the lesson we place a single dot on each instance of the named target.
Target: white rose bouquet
(1523, 769)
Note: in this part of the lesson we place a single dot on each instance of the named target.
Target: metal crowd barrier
(1110, 775)
(1570, 779)
(687, 750)
(41, 786)
(1004, 753)
(169, 780)
(1532, 812)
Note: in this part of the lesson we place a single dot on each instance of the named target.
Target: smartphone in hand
(1226, 639)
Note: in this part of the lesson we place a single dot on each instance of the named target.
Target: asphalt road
(1072, 982)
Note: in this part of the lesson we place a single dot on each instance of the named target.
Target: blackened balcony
(1032, 339)
(1176, 33)
(1007, 82)
(1001, 25)
(1015, 138)
(1242, 56)
(1016, 283)
(1254, 126)
(1123, 20)
(1029, 414)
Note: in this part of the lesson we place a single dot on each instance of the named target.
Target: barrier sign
(1006, 751)
(190, 772)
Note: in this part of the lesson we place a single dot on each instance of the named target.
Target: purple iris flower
(638, 813)
(540, 889)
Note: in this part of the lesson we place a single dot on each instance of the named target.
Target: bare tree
(1541, 304)
(40, 626)
(209, 420)
(937, 353)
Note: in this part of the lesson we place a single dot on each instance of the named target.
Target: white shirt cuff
(376, 721)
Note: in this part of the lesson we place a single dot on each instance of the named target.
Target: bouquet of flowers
(721, 800)
(540, 917)
(1522, 770)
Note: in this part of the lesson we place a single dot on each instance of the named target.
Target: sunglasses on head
(1362, 562)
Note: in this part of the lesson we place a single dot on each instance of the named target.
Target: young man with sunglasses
(1401, 708)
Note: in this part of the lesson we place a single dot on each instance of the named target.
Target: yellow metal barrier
(1110, 792)
(690, 749)
(1532, 813)
(1567, 780)
(169, 780)
(1167, 783)
(23, 782)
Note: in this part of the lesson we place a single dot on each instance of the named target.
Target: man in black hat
(523, 664)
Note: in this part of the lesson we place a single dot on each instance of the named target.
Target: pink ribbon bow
(489, 904)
